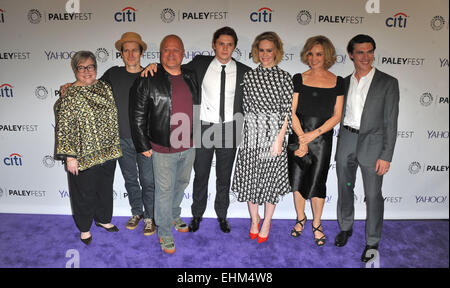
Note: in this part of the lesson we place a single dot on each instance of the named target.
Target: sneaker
(149, 228)
(180, 226)
(133, 222)
(167, 245)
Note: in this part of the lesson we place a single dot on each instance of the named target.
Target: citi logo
(6, 91)
(399, 20)
(262, 15)
(128, 14)
(2, 16)
(14, 159)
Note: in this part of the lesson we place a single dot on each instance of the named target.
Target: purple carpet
(53, 241)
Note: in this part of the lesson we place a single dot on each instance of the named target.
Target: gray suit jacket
(378, 129)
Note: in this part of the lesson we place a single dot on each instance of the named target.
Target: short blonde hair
(272, 37)
(328, 50)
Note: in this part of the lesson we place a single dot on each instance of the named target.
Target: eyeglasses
(88, 68)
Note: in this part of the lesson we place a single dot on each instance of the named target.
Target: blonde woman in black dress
(316, 109)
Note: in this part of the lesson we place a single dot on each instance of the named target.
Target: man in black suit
(220, 78)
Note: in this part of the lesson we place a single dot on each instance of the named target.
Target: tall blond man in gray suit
(367, 137)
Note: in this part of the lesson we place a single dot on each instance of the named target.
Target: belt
(353, 130)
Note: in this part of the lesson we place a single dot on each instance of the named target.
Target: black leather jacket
(151, 107)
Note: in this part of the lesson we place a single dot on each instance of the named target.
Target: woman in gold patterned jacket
(87, 139)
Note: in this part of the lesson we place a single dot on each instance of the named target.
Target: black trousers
(91, 195)
(224, 166)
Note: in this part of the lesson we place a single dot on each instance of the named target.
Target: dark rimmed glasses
(88, 68)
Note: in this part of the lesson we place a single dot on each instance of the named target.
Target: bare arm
(328, 125)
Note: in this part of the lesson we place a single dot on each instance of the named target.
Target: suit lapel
(370, 96)
(203, 68)
(347, 86)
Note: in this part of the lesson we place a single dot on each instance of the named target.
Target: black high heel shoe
(295, 233)
(319, 241)
(111, 229)
(87, 241)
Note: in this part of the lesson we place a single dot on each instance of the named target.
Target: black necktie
(222, 94)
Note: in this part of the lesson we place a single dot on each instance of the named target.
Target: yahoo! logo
(262, 15)
(14, 159)
(128, 14)
(399, 20)
(6, 91)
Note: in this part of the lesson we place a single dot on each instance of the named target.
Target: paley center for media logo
(14, 55)
(401, 61)
(21, 128)
(35, 16)
(437, 23)
(305, 17)
(416, 167)
(168, 15)
(22, 193)
(41, 92)
(426, 99)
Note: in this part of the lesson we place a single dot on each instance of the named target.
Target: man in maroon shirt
(161, 117)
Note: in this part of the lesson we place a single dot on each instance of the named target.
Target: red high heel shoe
(254, 235)
(264, 239)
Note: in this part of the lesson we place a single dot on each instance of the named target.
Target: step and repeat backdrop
(38, 38)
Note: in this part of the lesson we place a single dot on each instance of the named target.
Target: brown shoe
(133, 222)
(150, 227)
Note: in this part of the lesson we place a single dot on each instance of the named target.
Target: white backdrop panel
(38, 37)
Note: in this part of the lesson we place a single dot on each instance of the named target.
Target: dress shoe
(195, 224)
(364, 257)
(87, 241)
(254, 235)
(342, 238)
(264, 239)
(110, 229)
(224, 225)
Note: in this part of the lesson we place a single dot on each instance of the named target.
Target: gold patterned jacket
(87, 126)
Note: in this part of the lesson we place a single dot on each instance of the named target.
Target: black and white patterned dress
(260, 177)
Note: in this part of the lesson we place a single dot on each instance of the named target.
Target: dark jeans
(137, 171)
(91, 195)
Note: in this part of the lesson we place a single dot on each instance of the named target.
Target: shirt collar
(368, 76)
(218, 65)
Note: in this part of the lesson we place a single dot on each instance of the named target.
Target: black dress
(315, 106)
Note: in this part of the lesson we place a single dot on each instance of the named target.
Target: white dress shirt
(356, 98)
(210, 107)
